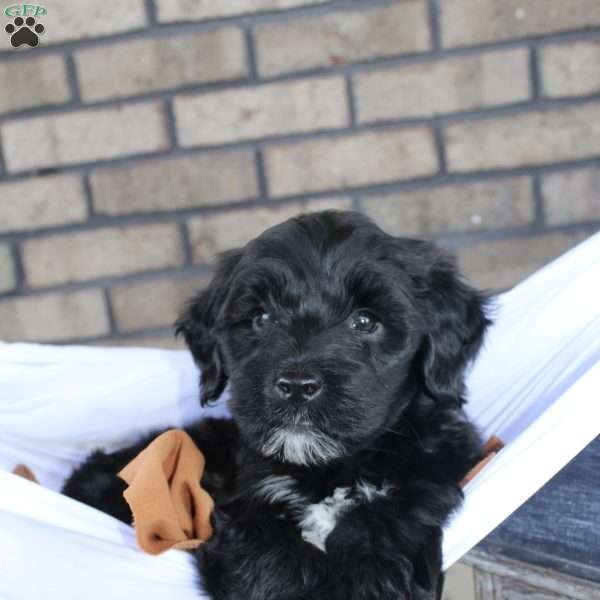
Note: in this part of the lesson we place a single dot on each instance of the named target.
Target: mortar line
(112, 322)
(3, 172)
(534, 74)
(171, 123)
(459, 239)
(249, 81)
(88, 195)
(434, 24)
(168, 96)
(351, 100)
(440, 145)
(18, 267)
(151, 12)
(168, 29)
(261, 175)
(380, 188)
(292, 138)
(181, 272)
(250, 54)
(186, 243)
(538, 201)
(72, 78)
(157, 28)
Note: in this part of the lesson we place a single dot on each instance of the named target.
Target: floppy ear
(455, 327)
(197, 325)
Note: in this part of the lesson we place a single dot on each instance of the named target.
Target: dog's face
(326, 328)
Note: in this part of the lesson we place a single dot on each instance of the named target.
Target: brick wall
(142, 137)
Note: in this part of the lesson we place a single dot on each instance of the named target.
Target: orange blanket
(170, 509)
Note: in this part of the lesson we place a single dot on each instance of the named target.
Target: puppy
(344, 350)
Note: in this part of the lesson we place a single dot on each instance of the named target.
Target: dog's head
(325, 328)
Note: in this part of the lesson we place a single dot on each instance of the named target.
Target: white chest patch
(320, 519)
(317, 521)
(368, 492)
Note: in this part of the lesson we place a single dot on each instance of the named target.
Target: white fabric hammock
(535, 385)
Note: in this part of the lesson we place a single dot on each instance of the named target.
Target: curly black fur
(336, 483)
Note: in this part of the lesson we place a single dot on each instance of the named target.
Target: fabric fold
(170, 508)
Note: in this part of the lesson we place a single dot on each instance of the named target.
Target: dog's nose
(303, 388)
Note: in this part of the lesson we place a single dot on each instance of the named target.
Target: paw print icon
(24, 31)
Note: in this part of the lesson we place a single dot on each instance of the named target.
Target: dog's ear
(455, 326)
(197, 325)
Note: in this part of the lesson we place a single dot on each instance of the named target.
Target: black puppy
(344, 349)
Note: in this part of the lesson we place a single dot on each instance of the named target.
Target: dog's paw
(371, 528)
(259, 558)
(24, 32)
(97, 484)
(373, 577)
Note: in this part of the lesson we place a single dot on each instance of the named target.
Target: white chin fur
(302, 448)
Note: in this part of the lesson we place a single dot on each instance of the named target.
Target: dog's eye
(262, 320)
(363, 322)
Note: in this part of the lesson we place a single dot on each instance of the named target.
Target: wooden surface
(498, 578)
